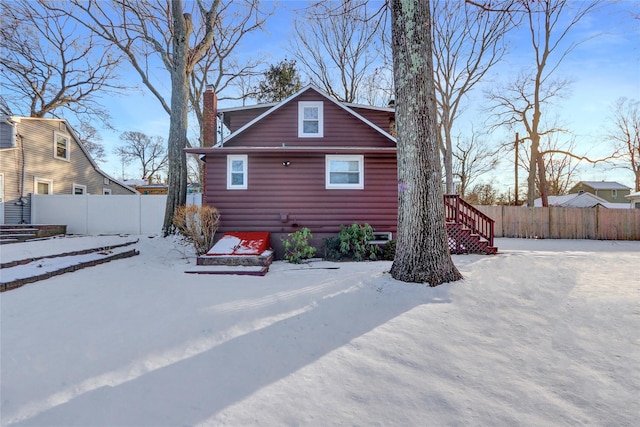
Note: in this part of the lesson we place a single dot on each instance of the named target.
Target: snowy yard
(545, 333)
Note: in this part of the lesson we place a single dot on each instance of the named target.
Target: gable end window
(237, 172)
(344, 172)
(61, 147)
(310, 119)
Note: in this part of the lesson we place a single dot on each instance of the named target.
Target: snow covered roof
(616, 205)
(632, 196)
(582, 200)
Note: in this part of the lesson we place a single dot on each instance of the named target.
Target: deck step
(225, 269)
(241, 252)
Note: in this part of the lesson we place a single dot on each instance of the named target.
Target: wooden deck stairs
(469, 230)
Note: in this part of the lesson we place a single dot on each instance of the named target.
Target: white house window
(344, 172)
(78, 189)
(106, 191)
(310, 119)
(42, 186)
(61, 146)
(237, 172)
(614, 194)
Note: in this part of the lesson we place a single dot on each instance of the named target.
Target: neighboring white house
(634, 198)
(45, 156)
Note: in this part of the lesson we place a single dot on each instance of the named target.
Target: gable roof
(580, 200)
(574, 200)
(603, 185)
(279, 105)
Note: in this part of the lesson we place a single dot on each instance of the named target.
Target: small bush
(198, 224)
(332, 248)
(389, 250)
(297, 248)
(352, 243)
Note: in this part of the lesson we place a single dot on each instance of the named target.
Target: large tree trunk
(448, 158)
(177, 195)
(422, 253)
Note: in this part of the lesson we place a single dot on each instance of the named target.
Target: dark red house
(308, 161)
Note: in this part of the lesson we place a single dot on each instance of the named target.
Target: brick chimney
(210, 112)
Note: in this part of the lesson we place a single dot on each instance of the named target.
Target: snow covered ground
(546, 333)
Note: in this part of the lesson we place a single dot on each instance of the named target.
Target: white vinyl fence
(98, 214)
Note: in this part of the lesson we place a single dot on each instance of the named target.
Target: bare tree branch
(50, 68)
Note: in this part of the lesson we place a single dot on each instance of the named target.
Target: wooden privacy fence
(564, 223)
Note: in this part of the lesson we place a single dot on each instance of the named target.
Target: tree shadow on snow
(193, 390)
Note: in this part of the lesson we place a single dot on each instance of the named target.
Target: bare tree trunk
(179, 116)
(448, 159)
(422, 253)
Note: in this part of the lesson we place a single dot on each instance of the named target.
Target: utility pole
(516, 168)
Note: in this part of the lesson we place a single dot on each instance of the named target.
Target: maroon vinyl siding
(281, 127)
(235, 119)
(299, 191)
(282, 199)
(380, 118)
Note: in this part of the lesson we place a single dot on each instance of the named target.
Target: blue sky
(603, 69)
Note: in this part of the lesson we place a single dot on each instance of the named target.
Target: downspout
(221, 116)
(22, 202)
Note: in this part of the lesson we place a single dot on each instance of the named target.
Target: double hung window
(344, 172)
(61, 144)
(310, 119)
(42, 186)
(237, 172)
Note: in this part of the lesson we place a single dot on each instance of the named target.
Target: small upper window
(106, 191)
(42, 186)
(61, 146)
(614, 194)
(310, 119)
(346, 172)
(237, 172)
(78, 189)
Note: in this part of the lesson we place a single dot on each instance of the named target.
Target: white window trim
(614, 194)
(245, 162)
(306, 104)
(75, 186)
(106, 191)
(55, 146)
(358, 158)
(36, 180)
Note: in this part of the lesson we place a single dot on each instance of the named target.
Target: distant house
(147, 187)
(634, 198)
(44, 156)
(611, 191)
(580, 200)
(308, 161)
